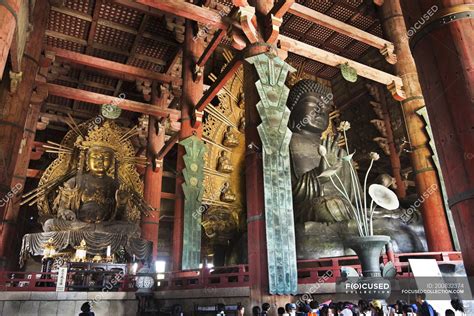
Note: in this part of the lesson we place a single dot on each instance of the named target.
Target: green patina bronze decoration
(110, 111)
(348, 73)
(276, 136)
(193, 190)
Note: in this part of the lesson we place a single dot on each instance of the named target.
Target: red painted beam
(220, 82)
(173, 61)
(280, 8)
(218, 36)
(168, 196)
(97, 98)
(34, 173)
(167, 146)
(188, 11)
(112, 67)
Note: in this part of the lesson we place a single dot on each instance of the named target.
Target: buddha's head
(309, 103)
(99, 160)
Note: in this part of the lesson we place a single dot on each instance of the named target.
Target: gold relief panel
(224, 187)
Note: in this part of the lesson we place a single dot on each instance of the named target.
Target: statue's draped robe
(308, 202)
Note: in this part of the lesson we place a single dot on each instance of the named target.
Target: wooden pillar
(11, 233)
(445, 61)
(193, 89)
(394, 155)
(434, 216)
(14, 109)
(257, 246)
(153, 182)
(8, 19)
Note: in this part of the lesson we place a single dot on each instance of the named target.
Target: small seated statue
(224, 164)
(226, 193)
(230, 139)
(242, 124)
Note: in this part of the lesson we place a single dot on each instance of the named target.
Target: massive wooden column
(445, 61)
(153, 182)
(192, 92)
(257, 246)
(11, 233)
(8, 18)
(13, 113)
(434, 215)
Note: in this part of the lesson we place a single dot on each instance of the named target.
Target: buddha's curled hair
(304, 86)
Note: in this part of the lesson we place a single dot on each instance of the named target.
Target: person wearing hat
(376, 307)
(291, 309)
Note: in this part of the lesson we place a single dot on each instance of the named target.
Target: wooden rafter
(221, 80)
(111, 24)
(99, 99)
(334, 60)
(217, 38)
(281, 7)
(112, 68)
(213, 19)
(208, 17)
(343, 28)
(167, 146)
(173, 61)
(103, 47)
(90, 41)
(133, 50)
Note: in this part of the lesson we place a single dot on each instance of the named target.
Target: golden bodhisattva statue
(230, 139)
(226, 193)
(91, 192)
(224, 164)
(93, 197)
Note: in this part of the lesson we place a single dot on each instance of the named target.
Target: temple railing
(222, 277)
(329, 269)
(76, 281)
(309, 272)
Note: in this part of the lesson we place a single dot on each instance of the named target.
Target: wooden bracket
(273, 29)
(248, 21)
(198, 72)
(144, 86)
(240, 3)
(15, 79)
(40, 93)
(389, 53)
(397, 91)
(275, 19)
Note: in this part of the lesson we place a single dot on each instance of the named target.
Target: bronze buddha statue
(323, 217)
(315, 199)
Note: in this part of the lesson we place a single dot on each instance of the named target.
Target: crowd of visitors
(309, 307)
